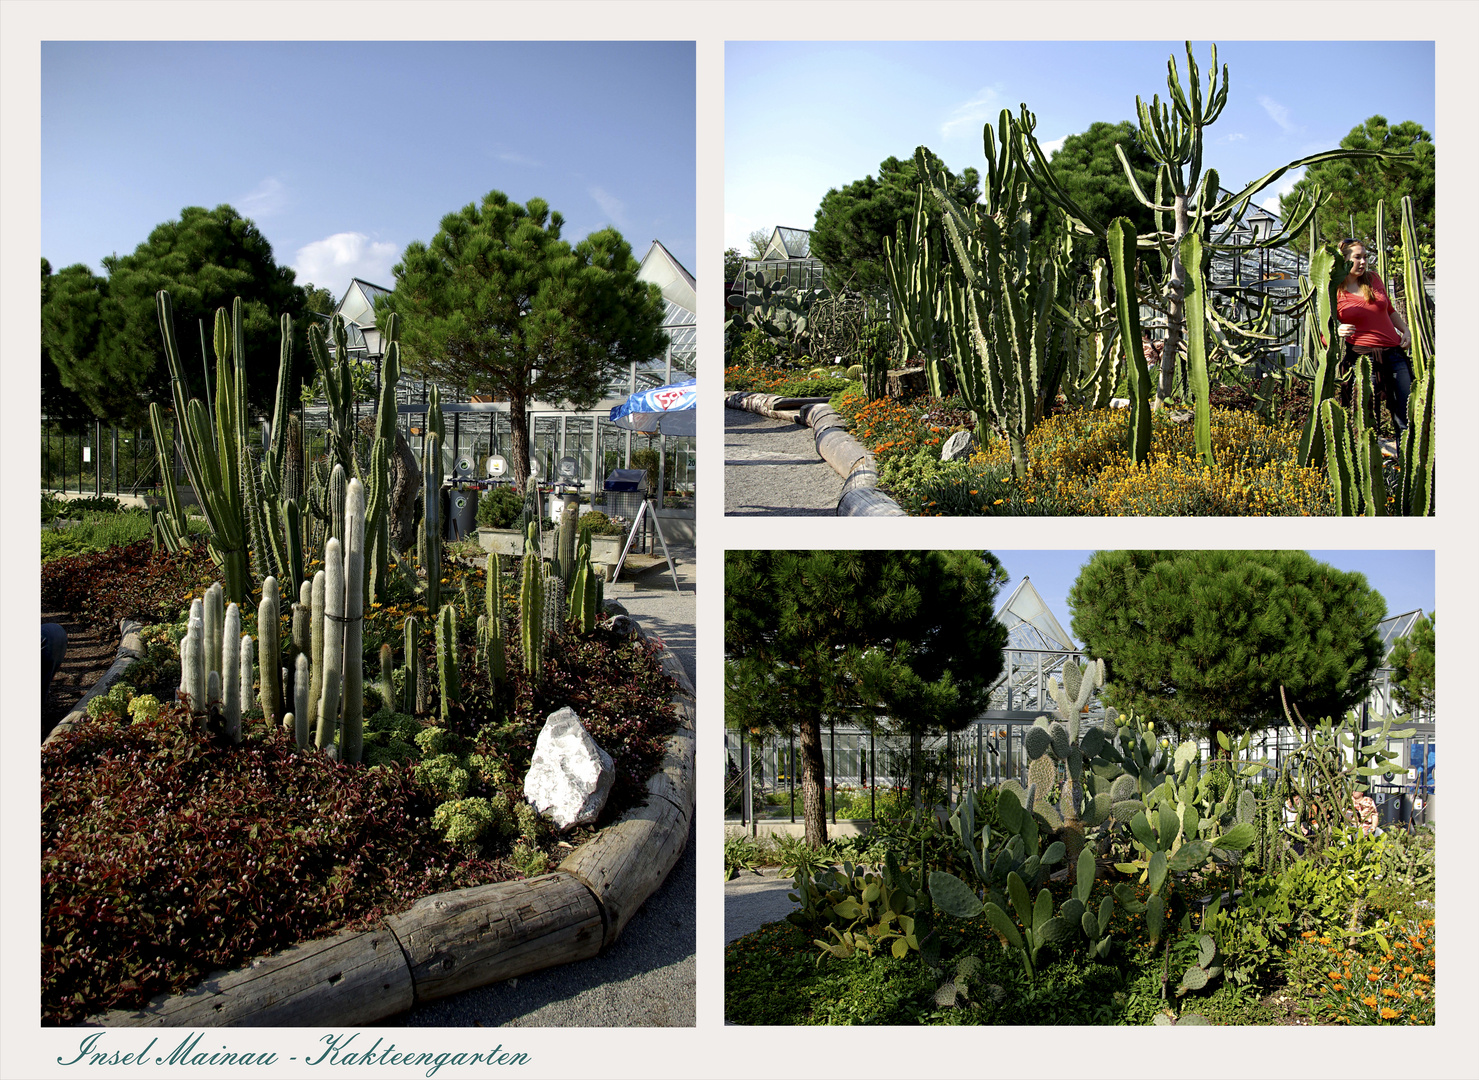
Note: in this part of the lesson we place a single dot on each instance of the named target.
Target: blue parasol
(664, 410)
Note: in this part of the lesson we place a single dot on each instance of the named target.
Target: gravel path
(772, 469)
(752, 900)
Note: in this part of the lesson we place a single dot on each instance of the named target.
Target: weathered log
(466, 938)
(861, 498)
(351, 978)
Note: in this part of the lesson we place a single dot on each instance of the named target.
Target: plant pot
(511, 542)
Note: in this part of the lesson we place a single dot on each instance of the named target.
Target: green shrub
(500, 507)
(598, 523)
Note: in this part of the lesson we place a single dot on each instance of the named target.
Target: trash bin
(626, 490)
(460, 511)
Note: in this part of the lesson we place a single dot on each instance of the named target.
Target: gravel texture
(772, 469)
(752, 900)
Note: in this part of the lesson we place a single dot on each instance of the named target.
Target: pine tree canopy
(1201, 641)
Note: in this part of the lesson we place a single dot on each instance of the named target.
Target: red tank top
(1371, 318)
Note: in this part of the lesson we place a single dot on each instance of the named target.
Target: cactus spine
(531, 607)
(448, 682)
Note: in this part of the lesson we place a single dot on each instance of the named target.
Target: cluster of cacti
(215, 661)
(336, 694)
(1009, 347)
(337, 381)
(1050, 743)
(779, 309)
(585, 584)
(212, 452)
(874, 344)
(913, 268)
(864, 911)
(991, 860)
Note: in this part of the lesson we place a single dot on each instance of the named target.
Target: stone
(620, 624)
(960, 445)
(570, 777)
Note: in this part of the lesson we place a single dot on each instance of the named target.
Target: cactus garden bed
(168, 851)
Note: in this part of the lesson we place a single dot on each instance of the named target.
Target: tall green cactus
(352, 741)
(1010, 347)
(231, 672)
(337, 381)
(564, 566)
(449, 683)
(531, 607)
(211, 455)
(411, 647)
(1122, 255)
(913, 278)
(1353, 452)
(1328, 268)
(431, 519)
(1416, 495)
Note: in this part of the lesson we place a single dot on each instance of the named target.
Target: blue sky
(803, 117)
(343, 152)
(1405, 579)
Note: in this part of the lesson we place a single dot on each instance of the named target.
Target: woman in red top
(1369, 323)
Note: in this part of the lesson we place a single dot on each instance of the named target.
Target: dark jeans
(1392, 382)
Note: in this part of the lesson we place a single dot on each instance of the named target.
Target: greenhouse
(990, 750)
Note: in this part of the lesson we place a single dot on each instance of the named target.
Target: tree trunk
(1176, 304)
(813, 781)
(518, 419)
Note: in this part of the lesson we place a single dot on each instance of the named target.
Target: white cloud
(611, 206)
(1278, 113)
(1236, 136)
(1052, 146)
(266, 199)
(518, 159)
(968, 117)
(1271, 201)
(332, 261)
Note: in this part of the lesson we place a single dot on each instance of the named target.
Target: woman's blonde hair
(1365, 279)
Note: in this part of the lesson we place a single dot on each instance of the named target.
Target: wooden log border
(459, 940)
(860, 495)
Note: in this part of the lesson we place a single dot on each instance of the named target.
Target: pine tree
(907, 640)
(1414, 660)
(1202, 641)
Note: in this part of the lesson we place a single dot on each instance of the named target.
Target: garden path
(772, 469)
(751, 901)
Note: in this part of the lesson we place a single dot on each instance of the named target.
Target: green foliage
(741, 853)
(598, 524)
(817, 632)
(1089, 171)
(1203, 640)
(528, 859)
(1414, 664)
(102, 334)
(497, 293)
(1353, 187)
(463, 821)
(853, 221)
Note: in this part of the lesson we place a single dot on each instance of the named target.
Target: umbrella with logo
(663, 410)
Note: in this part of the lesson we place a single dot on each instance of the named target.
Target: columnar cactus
(531, 607)
(338, 492)
(214, 614)
(231, 672)
(431, 519)
(352, 743)
(384, 685)
(246, 676)
(913, 279)
(448, 681)
(318, 603)
(268, 658)
(192, 658)
(565, 542)
(302, 681)
(331, 682)
(410, 649)
(338, 386)
(1353, 452)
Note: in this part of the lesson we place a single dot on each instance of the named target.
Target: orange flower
(1389, 992)
(1307, 934)
(1373, 978)
(1390, 1014)
(1369, 1002)
(1423, 978)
